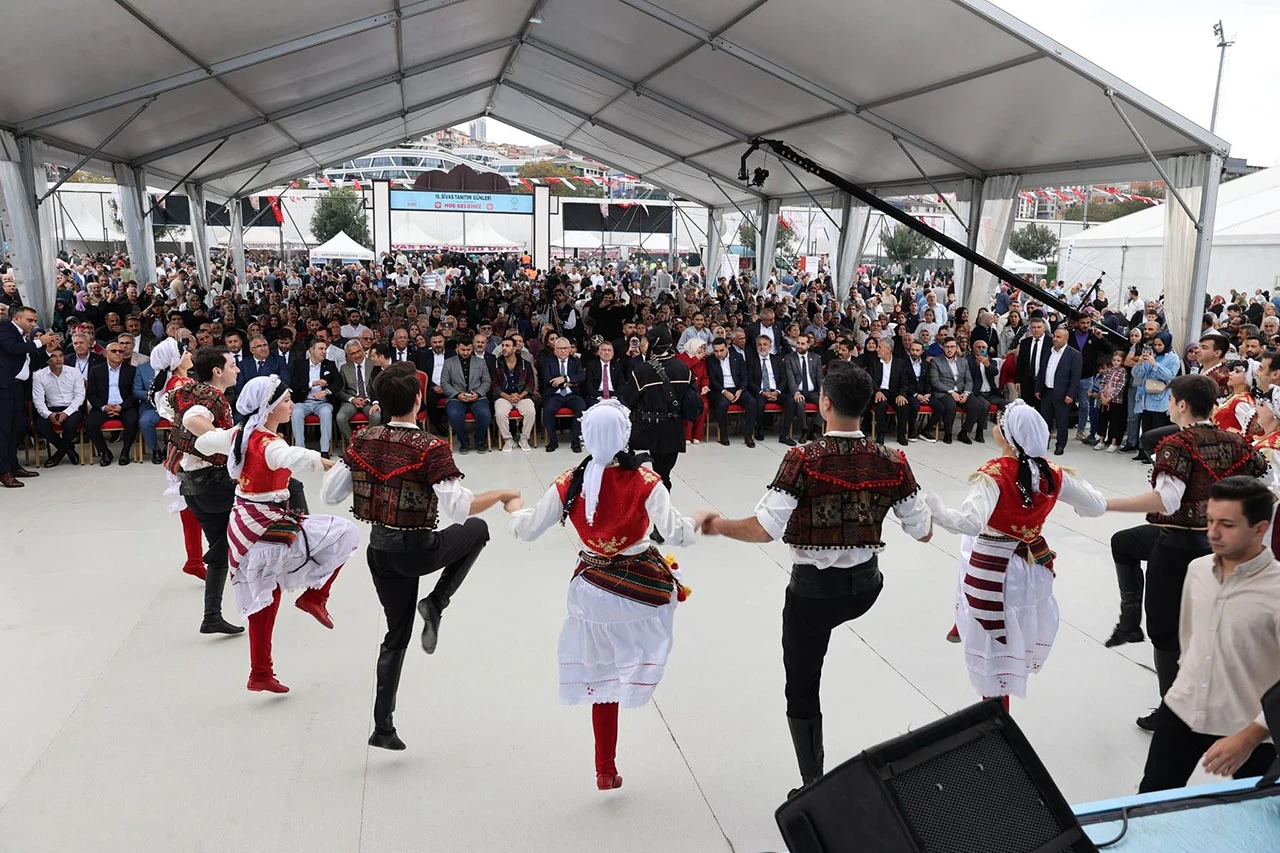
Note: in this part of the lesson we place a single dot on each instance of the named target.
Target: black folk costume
(828, 502)
(400, 479)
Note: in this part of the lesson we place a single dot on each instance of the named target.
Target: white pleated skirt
(266, 565)
(1031, 624)
(612, 649)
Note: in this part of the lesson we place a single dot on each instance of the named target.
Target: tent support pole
(1164, 176)
(928, 180)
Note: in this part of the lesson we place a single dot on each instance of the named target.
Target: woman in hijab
(1006, 614)
(270, 546)
(171, 361)
(694, 357)
(622, 599)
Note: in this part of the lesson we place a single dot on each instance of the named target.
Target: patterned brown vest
(393, 469)
(1201, 455)
(181, 399)
(845, 487)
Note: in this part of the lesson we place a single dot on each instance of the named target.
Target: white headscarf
(166, 355)
(258, 397)
(1025, 429)
(606, 429)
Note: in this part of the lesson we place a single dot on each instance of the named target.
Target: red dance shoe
(268, 684)
(608, 781)
(308, 604)
(195, 569)
(953, 636)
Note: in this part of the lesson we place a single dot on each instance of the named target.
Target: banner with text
(461, 202)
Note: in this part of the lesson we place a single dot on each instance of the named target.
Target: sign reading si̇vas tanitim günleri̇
(423, 200)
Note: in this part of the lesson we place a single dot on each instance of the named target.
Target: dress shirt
(955, 374)
(455, 498)
(727, 369)
(885, 373)
(775, 508)
(82, 367)
(63, 389)
(917, 367)
(1051, 367)
(1230, 638)
(25, 373)
(606, 390)
(1035, 355)
(437, 368)
(986, 383)
(113, 386)
(361, 386)
(313, 373)
(767, 382)
(401, 355)
(564, 371)
(806, 381)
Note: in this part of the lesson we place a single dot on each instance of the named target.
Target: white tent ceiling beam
(1111, 96)
(625, 134)
(786, 75)
(326, 99)
(236, 63)
(773, 132)
(636, 88)
(89, 155)
(348, 131)
(953, 81)
(534, 11)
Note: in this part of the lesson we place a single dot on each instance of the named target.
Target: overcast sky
(1167, 49)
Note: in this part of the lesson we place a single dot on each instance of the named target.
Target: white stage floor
(123, 729)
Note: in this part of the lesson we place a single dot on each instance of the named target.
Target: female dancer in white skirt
(1005, 609)
(271, 547)
(622, 599)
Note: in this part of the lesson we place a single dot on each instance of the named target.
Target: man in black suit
(562, 381)
(728, 379)
(804, 377)
(1033, 353)
(889, 387)
(594, 389)
(402, 350)
(110, 397)
(986, 382)
(777, 341)
(1059, 384)
(918, 388)
(17, 350)
(316, 385)
(431, 362)
(769, 385)
(285, 354)
(261, 361)
(82, 358)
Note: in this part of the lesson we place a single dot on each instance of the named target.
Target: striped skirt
(269, 546)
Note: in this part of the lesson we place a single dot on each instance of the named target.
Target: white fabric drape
(999, 193)
(237, 245)
(1187, 174)
(854, 218)
(767, 240)
(138, 233)
(716, 259)
(30, 230)
(199, 233)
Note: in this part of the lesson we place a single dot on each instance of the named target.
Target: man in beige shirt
(1229, 628)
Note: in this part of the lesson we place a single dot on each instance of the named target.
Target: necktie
(768, 375)
(1035, 357)
(360, 381)
(804, 374)
(564, 371)
(604, 370)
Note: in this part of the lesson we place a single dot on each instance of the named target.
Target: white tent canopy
(1022, 266)
(1246, 244)
(340, 247)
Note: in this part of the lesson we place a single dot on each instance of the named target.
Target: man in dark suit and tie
(316, 384)
(804, 378)
(356, 397)
(1033, 352)
(401, 349)
(82, 358)
(110, 397)
(728, 379)
(562, 383)
(261, 361)
(284, 352)
(604, 365)
(985, 372)
(769, 385)
(777, 341)
(1059, 384)
(889, 387)
(17, 351)
(431, 362)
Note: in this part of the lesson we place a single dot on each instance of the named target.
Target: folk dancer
(828, 502)
(1005, 610)
(615, 641)
(400, 478)
(1187, 464)
(271, 546)
(172, 364)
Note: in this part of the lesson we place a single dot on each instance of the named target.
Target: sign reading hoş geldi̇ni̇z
(461, 202)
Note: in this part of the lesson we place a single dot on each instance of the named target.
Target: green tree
(1035, 243)
(903, 245)
(341, 209)
(786, 243)
(575, 187)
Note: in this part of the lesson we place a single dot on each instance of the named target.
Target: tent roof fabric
(240, 95)
(1248, 212)
(341, 247)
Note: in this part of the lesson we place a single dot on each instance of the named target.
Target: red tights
(604, 721)
(191, 539)
(261, 626)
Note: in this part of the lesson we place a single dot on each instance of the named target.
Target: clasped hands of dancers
(827, 501)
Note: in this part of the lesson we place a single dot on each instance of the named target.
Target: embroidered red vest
(1201, 455)
(621, 520)
(255, 476)
(1010, 517)
(181, 399)
(393, 470)
(1270, 441)
(1227, 416)
(844, 488)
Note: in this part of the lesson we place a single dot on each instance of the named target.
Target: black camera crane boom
(786, 152)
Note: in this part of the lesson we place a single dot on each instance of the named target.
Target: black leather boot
(1166, 671)
(806, 738)
(215, 582)
(390, 662)
(1129, 628)
(451, 578)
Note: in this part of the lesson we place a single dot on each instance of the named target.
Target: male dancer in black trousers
(399, 478)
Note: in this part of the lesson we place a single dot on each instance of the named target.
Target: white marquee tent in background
(1246, 244)
(340, 247)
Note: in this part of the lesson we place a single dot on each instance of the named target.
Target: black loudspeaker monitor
(968, 783)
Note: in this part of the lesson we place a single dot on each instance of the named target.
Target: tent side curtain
(1187, 173)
